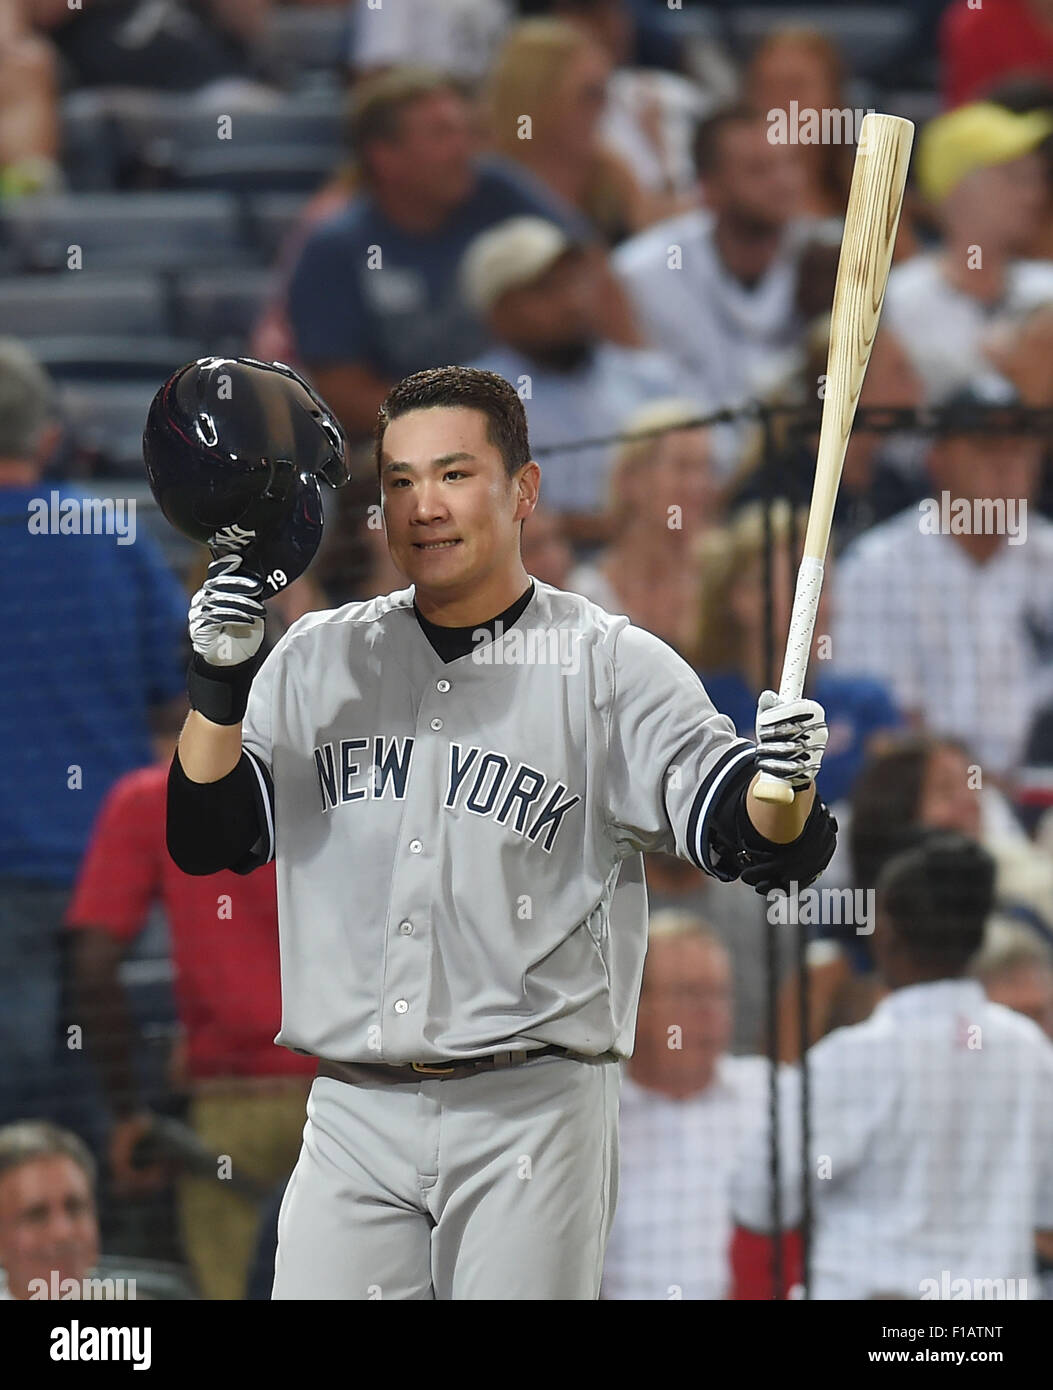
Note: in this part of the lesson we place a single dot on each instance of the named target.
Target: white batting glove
(227, 615)
(791, 738)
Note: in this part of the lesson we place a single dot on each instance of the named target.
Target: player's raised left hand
(227, 616)
(791, 738)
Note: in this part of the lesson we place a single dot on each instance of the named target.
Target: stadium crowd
(592, 199)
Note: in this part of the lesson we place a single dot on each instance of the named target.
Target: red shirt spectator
(223, 930)
(999, 39)
(751, 1257)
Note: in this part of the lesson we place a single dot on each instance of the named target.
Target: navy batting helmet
(237, 446)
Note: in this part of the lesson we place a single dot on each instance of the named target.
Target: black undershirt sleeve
(215, 825)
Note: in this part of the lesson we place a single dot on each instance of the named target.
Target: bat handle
(795, 663)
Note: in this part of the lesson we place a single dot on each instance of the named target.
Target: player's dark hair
(472, 389)
(710, 132)
(936, 897)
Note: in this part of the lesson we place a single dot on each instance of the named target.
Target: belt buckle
(425, 1070)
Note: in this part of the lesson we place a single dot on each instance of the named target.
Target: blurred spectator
(932, 1122)
(544, 103)
(1034, 782)
(650, 114)
(460, 37)
(984, 44)
(260, 1280)
(355, 562)
(1025, 95)
(979, 169)
(248, 1096)
(29, 116)
(910, 781)
(542, 300)
(737, 915)
(272, 338)
(95, 625)
(1015, 968)
(716, 288)
(204, 47)
(878, 478)
(48, 1226)
(730, 641)
(546, 554)
(728, 652)
(1024, 354)
(686, 1107)
(374, 294)
(806, 67)
(955, 617)
(663, 498)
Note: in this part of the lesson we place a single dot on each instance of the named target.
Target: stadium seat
(82, 302)
(155, 140)
(128, 112)
(866, 34)
(106, 419)
(272, 217)
(301, 38)
(125, 231)
(113, 358)
(255, 169)
(220, 308)
(916, 106)
(89, 149)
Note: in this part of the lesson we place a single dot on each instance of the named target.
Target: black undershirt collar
(451, 643)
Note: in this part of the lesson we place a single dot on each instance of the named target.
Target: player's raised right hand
(227, 614)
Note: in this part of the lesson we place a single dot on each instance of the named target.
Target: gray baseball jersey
(458, 844)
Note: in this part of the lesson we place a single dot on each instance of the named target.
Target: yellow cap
(974, 137)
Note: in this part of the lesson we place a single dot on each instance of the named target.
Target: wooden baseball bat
(874, 202)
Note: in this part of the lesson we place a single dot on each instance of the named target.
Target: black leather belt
(353, 1072)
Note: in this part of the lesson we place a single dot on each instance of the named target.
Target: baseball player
(457, 782)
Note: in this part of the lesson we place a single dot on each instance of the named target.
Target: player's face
(451, 511)
(47, 1222)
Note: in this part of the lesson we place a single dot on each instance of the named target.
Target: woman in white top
(663, 498)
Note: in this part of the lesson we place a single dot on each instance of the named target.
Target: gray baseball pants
(496, 1186)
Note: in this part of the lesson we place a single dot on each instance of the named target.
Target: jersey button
(442, 686)
(415, 846)
(406, 928)
(436, 724)
(401, 1006)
